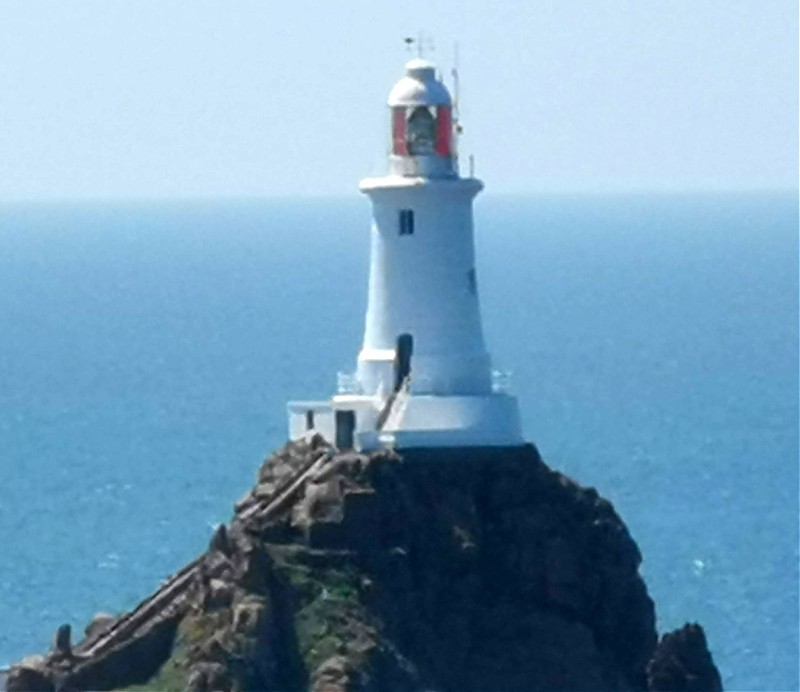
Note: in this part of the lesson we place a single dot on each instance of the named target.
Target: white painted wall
(420, 284)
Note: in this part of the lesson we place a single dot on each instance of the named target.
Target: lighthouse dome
(419, 87)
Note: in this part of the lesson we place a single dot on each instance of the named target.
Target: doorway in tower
(402, 359)
(345, 425)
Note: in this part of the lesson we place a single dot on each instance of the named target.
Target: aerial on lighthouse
(423, 376)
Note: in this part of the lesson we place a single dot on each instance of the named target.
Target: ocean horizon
(148, 349)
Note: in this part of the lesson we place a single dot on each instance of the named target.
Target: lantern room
(422, 124)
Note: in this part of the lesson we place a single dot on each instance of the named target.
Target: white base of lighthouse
(412, 420)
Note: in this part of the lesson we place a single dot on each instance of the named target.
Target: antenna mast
(456, 93)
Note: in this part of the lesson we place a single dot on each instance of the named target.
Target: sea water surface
(147, 352)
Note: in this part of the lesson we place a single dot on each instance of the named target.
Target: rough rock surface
(682, 662)
(462, 569)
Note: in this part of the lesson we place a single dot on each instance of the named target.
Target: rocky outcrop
(682, 662)
(459, 569)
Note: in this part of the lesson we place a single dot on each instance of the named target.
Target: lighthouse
(423, 376)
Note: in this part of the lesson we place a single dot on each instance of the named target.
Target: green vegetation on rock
(193, 631)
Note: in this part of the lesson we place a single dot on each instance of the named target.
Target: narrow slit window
(472, 282)
(406, 222)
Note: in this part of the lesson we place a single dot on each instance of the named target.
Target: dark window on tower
(406, 221)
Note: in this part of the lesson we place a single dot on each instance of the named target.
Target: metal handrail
(501, 381)
(383, 416)
(347, 383)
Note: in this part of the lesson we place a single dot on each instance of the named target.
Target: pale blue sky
(145, 98)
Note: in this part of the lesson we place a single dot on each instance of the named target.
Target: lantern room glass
(422, 131)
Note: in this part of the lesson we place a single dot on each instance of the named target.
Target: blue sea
(147, 351)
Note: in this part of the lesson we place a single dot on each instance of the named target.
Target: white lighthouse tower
(424, 376)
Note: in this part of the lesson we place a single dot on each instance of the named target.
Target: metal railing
(347, 383)
(501, 381)
(395, 407)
